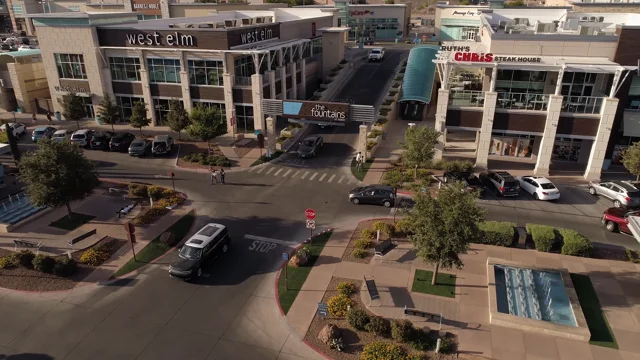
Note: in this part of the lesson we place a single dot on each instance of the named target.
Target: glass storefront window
(205, 72)
(633, 100)
(244, 66)
(465, 79)
(70, 66)
(566, 149)
(149, 17)
(578, 84)
(219, 106)
(161, 108)
(125, 103)
(124, 68)
(164, 70)
(316, 46)
(505, 144)
(88, 107)
(244, 119)
(521, 81)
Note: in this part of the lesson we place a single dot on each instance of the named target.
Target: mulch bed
(368, 224)
(31, 280)
(609, 253)
(187, 148)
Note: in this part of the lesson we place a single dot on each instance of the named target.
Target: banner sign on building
(463, 52)
(361, 13)
(314, 110)
(147, 7)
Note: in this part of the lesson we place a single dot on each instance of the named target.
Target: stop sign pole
(310, 214)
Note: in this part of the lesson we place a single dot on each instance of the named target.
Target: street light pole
(233, 127)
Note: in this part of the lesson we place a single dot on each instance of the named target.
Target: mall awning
(417, 84)
(631, 124)
(634, 226)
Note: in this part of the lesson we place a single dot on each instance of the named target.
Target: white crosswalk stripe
(305, 175)
(332, 177)
(341, 178)
(296, 174)
(251, 169)
(270, 170)
(261, 169)
(313, 176)
(278, 172)
(322, 177)
(287, 173)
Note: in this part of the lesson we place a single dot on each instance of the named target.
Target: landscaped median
(298, 268)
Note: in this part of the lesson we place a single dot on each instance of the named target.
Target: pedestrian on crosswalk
(358, 161)
(222, 176)
(214, 175)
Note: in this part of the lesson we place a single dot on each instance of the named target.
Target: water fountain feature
(16, 208)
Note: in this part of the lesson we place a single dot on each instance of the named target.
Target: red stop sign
(310, 214)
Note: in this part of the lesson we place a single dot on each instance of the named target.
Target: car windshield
(375, 51)
(511, 184)
(308, 143)
(137, 144)
(39, 132)
(190, 252)
(59, 135)
(547, 186)
(78, 136)
(98, 137)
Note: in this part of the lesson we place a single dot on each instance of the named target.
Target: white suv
(82, 137)
(376, 54)
(17, 128)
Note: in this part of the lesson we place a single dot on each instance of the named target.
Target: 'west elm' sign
(155, 39)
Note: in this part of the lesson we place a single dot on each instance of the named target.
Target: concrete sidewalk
(389, 150)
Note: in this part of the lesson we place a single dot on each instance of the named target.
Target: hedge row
(500, 233)
(573, 243)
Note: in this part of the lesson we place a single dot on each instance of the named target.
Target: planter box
(324, 86)
(388, 107)
(284, 145)
(291, 133)
(377, 127)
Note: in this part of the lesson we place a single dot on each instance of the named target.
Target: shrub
(44, 263)
(370, 145)
(346, 288)
(379, 326)
(381, 120)
(304, 252)
(65, 266)
(363, 244)
(454, 165)
(574, 244)
(633, 255)
(448, 345)
(9, 262)
(167, 193)
(94, 256)
(379, 350)
(416, 357)
(170, 201)
(402, 227)
(383, 227)
(282, 138)
(155, 192)
(368, 234)
(402, 330)
(359, 254)
(422, 341)
(208, 160)
(150, 215)
(138, 190)
(374, 134)
(358, 318)
(543, 236)
(500, 233)
(25, 258)
(338, 305)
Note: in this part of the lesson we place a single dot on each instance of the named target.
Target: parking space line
(261, 169)
(266, 239)
(278, 172)
(305, 175)
(270, 170)
(294, 175)
(331, 178)
(287, 173)
(251, 169)
(313, 176)
(340, 181)
(322, 177)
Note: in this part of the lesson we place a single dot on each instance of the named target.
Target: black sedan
(373, 194)
(140, 147)
(309, 146)
(121, 141)
(470, 181)
(100, 140)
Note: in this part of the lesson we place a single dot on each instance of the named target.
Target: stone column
(271, 135)
(272, 83)
(362, 142)
(549, 136)
(146, 92)
(227, 84)
(599, 147)
(303, 78)
(484, 140)
(441, 119)
(128, 6)
(477, 142)
(164, 8)
(30, 28)
(256, 91)
(283, 81)
(294, 76)
(184, 82)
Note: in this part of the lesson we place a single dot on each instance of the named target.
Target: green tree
(515, 3)
(464, 2)
(56, 174)
(394, 178)
(631, 159)
(139, 117)
(109, 112)
(206, 123)
(177, 118)
(13, 143)
(441, 228)
(73, 108)
(419, 147)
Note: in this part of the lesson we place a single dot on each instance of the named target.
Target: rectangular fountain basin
(536, 299)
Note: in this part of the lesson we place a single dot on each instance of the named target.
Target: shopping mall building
(544, 85)
(231, 61)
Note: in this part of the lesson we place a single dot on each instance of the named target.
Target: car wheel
(199, 272)
(592, 191)
(535, 196)
(611, 226)
(355, 201)
(617, 204)
(225, 247)
(387, 204)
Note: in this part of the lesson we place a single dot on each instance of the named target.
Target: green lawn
(445, 284)
(75, 222)
(156, 248)
(4, 139)
(362, 173)
(601, 334)
(263, 159)
(297, 276)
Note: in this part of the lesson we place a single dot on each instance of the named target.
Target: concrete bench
(372, 289)
(127, 209)
(422, 314)
(382, 248)
(27, 244)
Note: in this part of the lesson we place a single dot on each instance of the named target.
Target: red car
(617, 219)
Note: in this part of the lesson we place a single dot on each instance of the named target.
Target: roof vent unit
(586, 30)
(206, 26)
(189, 26)
(507, 29)
(502, 24)
(247, 21)
(592, 19)
(171, 26)
(584, 18)
(220, 25)
(260, 20)
(539, 27)
(230, 23)
(571, 24)
(600, 18)
(522, 21)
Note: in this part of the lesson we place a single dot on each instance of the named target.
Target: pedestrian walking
(214, 176)
(358, 161)
(33, 118)
(49, 117)
(222, 173)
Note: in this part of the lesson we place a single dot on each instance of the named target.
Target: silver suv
(622, 193)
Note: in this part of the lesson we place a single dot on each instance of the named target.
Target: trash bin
(58, 116)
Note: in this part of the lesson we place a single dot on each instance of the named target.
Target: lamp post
(233, 127)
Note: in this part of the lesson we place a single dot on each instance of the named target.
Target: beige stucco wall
(557, 3)
(607, 8)
(95, 8)
(302, 29)
(554, 48)
(193, 10)
(29, 82)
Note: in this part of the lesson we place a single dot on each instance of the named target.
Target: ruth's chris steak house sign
(313, 110)
(464, 54)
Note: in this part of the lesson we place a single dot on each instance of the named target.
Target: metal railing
(241, 81)
(466, 98)
(522, 101)
(582, 104)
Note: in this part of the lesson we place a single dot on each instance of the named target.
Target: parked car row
(106, 140)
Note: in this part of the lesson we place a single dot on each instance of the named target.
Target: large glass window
(244, 119)
(205, 72)
(161, 108)
(125, 103)
(124, 68)
(17, 9)
(316, 46)
(244, 66)
(219, 106)
(88, 107)
(633, 101)
(149, 17)
(521, 81)
(566, 149)
(70, 66)
(164, 70)
(578, 84)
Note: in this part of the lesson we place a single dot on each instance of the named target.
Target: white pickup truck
(376, 54)
(17, 128)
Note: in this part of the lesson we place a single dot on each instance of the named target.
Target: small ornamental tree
(73, 108)
(139, 117)
(109, 112)
(419, 147)
(177, 118)
(206, 124)
(57, 173)
(441, 228)
(631, 159)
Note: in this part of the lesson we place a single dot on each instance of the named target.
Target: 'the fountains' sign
(313, 110)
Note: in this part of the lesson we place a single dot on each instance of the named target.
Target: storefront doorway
(566, 149)
(514, 145)
(411, 110)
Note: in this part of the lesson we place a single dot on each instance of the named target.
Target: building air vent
(584, 18)
(502, 24)
(259, 20)
(205, 26)
(521, 21)
(248, 21)
(600, 18)
(592, 19)
(230, 23)
(508, 29)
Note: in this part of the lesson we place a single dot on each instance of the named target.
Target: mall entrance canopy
(417, 84)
